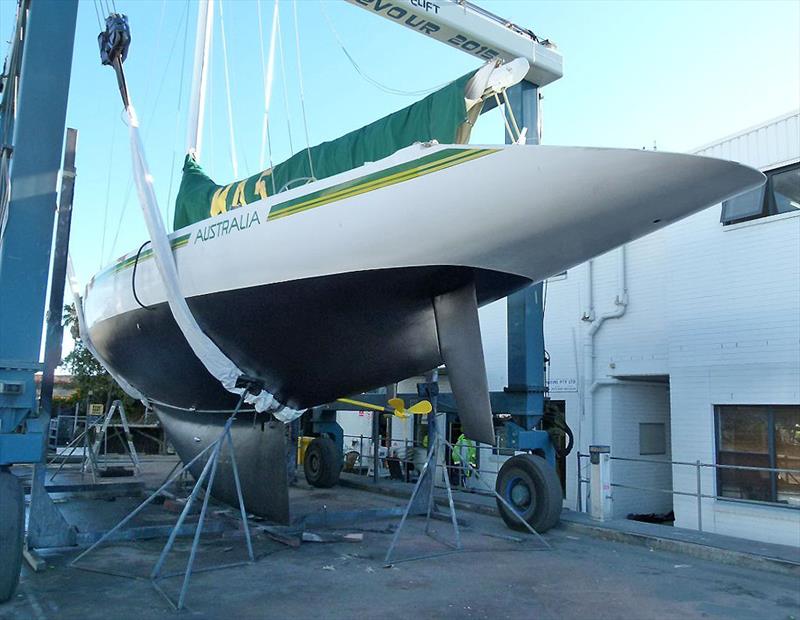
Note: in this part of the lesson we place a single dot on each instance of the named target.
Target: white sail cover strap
(215, 361)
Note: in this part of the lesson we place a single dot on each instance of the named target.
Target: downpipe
(590, 385)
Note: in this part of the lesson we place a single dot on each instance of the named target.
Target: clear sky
(678, 74)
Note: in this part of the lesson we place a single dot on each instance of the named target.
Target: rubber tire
(322, 464)
(536, 473)
(12, 527)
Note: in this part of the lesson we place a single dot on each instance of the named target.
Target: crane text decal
(408, 18)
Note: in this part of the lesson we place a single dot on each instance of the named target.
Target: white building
(701, 360)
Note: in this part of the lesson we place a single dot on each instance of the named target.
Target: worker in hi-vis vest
(463, 456)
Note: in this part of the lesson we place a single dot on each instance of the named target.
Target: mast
(202, 47)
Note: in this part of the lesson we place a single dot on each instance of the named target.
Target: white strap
(215, 361)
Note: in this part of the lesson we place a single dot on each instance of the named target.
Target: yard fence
(698, 492)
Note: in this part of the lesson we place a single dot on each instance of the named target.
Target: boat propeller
(396, 407)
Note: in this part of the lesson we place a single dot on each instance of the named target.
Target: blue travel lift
(32, 119)
(528, 482)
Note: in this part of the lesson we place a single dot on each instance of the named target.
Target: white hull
(531, 211)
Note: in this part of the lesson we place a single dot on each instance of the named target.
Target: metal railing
(402, 451)
(698, 494)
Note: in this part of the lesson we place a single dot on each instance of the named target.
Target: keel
(260, 449)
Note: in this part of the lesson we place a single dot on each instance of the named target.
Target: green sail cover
(436, 117)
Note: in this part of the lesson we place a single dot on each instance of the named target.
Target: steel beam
(526, 381)
(25, 246)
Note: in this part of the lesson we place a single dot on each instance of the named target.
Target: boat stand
(425, 488)
(94, 453)
(206, 478)
(513, 511)
(422, 501)
(91, 452)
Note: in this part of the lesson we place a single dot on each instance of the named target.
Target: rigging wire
(97, 13)
(212, 168)
(265, 125)
(121, 218)
(108, 195)
(363, 74)
(285, 89)
(267, 72)
(170, 204)
(154, 54)
(300, 82)
(269, 152)
(183, 22)
(231, 135)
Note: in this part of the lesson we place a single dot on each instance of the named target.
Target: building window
(780, 194)
(759, 436)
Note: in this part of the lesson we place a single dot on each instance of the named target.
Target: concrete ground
(494, 577)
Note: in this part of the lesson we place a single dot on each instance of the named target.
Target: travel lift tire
(322, 464)
(12, 523)
(531, 486)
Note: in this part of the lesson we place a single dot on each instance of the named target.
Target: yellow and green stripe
(125, 263)
(385, 178)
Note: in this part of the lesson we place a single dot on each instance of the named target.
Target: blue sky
(679, 74)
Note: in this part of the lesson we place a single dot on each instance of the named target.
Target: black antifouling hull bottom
(311, 341)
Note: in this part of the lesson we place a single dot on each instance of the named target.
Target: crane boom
(473, 30)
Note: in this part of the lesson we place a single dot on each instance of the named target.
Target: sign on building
(562, 385)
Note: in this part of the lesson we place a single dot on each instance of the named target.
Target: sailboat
(363, 261)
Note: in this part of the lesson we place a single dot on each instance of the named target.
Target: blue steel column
(526, 381)
(25, 247)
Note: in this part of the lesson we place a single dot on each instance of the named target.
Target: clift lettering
(228, 226)
(426, 5)
(410, 19)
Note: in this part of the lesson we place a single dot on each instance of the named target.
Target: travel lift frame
(525, 481)
(33, 110)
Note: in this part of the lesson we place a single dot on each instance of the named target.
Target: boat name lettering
(242, 222)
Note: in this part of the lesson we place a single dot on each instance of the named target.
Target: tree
(89, 376)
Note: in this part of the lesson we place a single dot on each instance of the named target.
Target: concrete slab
(581, 576)
(714, 547)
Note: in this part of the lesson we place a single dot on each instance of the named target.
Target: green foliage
(91, 380)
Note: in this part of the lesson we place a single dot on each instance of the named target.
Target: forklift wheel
(531, 486)
(12, 524)
(322, 464)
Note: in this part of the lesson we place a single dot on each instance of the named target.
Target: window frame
(771, 449)
(766, 195)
